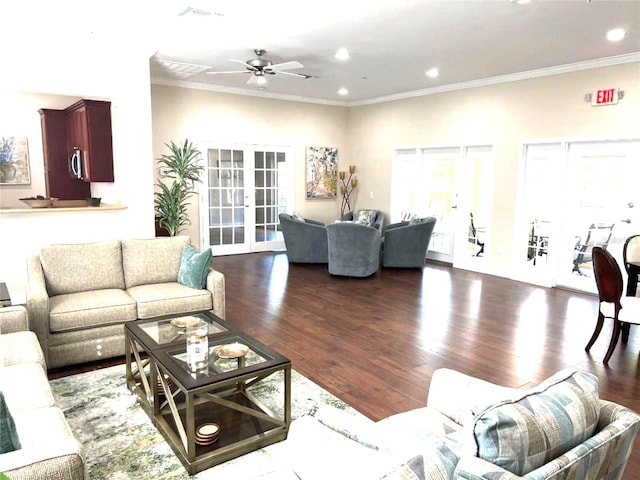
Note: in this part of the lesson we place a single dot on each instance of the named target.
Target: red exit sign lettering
(608, 96)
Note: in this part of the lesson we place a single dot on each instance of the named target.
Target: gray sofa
(46, 447)
(405, 244)
(79, 295)
(354, 249)
(305, 239)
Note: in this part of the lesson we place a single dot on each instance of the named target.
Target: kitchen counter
(63, 208)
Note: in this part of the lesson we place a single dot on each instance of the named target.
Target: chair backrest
(599, 234)
(631, 250)
(608, 276)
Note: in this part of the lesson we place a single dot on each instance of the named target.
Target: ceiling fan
(261, 67)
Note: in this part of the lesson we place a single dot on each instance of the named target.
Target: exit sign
(608, 96)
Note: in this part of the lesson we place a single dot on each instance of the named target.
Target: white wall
(51, 76)
(504, 115)
(206, 116)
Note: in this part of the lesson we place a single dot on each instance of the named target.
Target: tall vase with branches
(349, 184)
(183, 167)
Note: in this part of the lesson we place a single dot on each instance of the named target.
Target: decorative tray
(231, 350)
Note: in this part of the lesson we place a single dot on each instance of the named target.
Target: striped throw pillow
(523, 434)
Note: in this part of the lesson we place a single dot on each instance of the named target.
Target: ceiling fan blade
(299, 75)
(242, 62)
(253, 80)
(285, 66)
(229, 71)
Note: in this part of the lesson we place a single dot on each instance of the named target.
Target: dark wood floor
(375, 342)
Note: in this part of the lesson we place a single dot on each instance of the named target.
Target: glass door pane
(271, 185)
(440, 189)
(226, 201)
(474, 223)
(538, 217)
(602, 206)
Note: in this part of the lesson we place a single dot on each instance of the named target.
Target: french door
(574, 195)
(453, 185)
(246, 188)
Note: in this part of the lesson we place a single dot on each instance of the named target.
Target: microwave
(76, 166)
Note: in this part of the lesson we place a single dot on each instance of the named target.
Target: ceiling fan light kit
(260, 67)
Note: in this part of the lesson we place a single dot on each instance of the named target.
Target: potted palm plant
(182, 166)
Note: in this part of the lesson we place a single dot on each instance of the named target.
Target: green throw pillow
(194, 267)
(8, 436)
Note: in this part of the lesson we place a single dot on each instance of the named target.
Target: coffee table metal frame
(176, 399)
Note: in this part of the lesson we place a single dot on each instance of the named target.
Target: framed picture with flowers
(14, 161)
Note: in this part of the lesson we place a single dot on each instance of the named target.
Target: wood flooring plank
(375, 342)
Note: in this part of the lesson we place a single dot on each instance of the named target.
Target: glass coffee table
(207, 410)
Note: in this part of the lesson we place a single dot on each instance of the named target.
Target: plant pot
(93, 201)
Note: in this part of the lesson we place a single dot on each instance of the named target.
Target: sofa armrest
(62, 459)
(460, 396)
(604, 454)
(216, 285)
(13, 319)
(314, 222)
(391, 226)
(37, 300)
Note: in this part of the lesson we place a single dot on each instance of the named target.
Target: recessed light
(342, 54)
(343, 91)
(615, 35)
(520, 2)
(433, 73)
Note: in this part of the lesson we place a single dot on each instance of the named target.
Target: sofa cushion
(26, 388)
(152, 260)
(436, 462)
(42, 427)
(70, 268)
(9, 440)
(169, 299)
(194, 267)
(77, 311)
(523, 434)
(410, 431)
(21, 347)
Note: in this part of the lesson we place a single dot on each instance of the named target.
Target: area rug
(121, 442)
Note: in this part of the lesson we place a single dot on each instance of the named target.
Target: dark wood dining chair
(631, 260)
(621, 309)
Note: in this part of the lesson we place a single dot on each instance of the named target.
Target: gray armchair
(405, 244)
(378, 217)
(306, 241)
(354, 249)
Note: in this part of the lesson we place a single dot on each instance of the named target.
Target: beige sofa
(79, 295)
(47, 448)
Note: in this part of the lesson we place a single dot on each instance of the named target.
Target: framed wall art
(14, 161)
(321, 172)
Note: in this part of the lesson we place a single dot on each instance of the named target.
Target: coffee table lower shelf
(240, 433)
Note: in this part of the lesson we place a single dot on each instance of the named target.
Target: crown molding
(514, 77)
(243, 91)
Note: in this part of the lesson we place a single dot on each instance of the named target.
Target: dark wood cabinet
(89, 130)
(58, 180)
(84, 126)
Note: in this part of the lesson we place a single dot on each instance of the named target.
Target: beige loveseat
(79, 295)
(45, 446)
